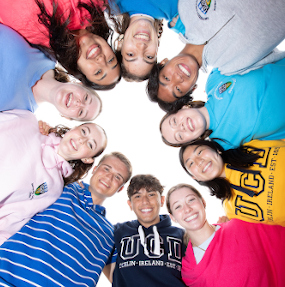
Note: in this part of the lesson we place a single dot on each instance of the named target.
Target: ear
(120, 188)
(163, 62)
(194, 88)
(172, 218)
(130, 204)
(204, 202)
(87, 160)
(94, 169)
(162, 200)
(120, 42)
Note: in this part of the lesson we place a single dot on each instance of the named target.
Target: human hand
(44, 128)
(223, 219)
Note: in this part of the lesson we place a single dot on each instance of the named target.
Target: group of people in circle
(63, 52)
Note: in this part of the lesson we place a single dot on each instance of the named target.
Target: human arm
(44, 128)
(109, 270)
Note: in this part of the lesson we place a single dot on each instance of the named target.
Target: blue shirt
(21, 67)
(166, 9)
(66, 245)
(247, 107)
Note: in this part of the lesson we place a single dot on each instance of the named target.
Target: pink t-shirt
(22, 16)
(240, 254)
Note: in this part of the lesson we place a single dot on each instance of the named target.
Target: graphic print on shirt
(223, 87)
(41, 189)
(131, 248)
(203, 6)
(249, 185)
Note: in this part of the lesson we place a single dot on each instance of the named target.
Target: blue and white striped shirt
(66, 245)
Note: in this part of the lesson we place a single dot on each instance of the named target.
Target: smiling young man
(149, 249)
(70, 242)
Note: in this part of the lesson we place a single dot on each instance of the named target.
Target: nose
(182, 126)
(145, 199)
(187, 208)
(177, 77)
(78, 102)
(141, 45)
(198, 161)
(82, 140)
(101, 58)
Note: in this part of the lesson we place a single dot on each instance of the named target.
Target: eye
(177, 207)
(86, 98)
(117, 177)
(166, 78)
(150, 57)
(180, 137)
(130, 54)
(106, 168)
(80, 113)
(137, 196)
(98, 72)
(111, 60)
(178, 90)
(83, 131)
(90, 145)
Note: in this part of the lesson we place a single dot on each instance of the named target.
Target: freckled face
(184, 126)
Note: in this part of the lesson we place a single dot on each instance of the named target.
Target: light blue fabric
(21, 67)
(247, 107)
(66, 245)
(158, 9)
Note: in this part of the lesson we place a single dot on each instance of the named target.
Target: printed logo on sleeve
(41, 189)
(203, 6)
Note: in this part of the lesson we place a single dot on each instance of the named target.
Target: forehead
(180, 194)
(190, 150)
(116, 165)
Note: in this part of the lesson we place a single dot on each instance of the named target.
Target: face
(203, 163)
(75, 102)
(97, 60)
(146, 205)
(184, 126)
(108, 178)
(177, 77)
(188, 209)
(139, 47)
(82, 142)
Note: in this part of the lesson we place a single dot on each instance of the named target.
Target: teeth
(103, 182)
(183, 70)
(190, 124)
(146, 210)
(207, 165)
(73, 144)
(142, 36)
(191, 217)
(92, 52)
(69, 101)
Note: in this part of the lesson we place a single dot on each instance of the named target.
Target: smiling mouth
(93, 52)
(185, 70)
(104, 183)
(73, 144)
(146, 210)
(190, 125)
(191, 217)
(207, 166)
(68, 100)
(142, 36)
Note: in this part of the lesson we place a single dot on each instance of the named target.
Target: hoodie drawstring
(156, 250)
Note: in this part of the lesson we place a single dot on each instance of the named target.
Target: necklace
(194, 245)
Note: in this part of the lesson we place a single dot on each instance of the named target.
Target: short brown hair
(147, 181)
(123, 159)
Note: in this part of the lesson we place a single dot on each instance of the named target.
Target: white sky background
(131, 122)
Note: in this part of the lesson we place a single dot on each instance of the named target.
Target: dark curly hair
(240, 157)
(63, 42)
(152, 92)
(80, 168)
(147, 181)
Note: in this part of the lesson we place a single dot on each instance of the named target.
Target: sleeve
(113, 256)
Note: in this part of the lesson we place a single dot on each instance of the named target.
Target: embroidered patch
(41, 189)
(222, 87)
(203, 6)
